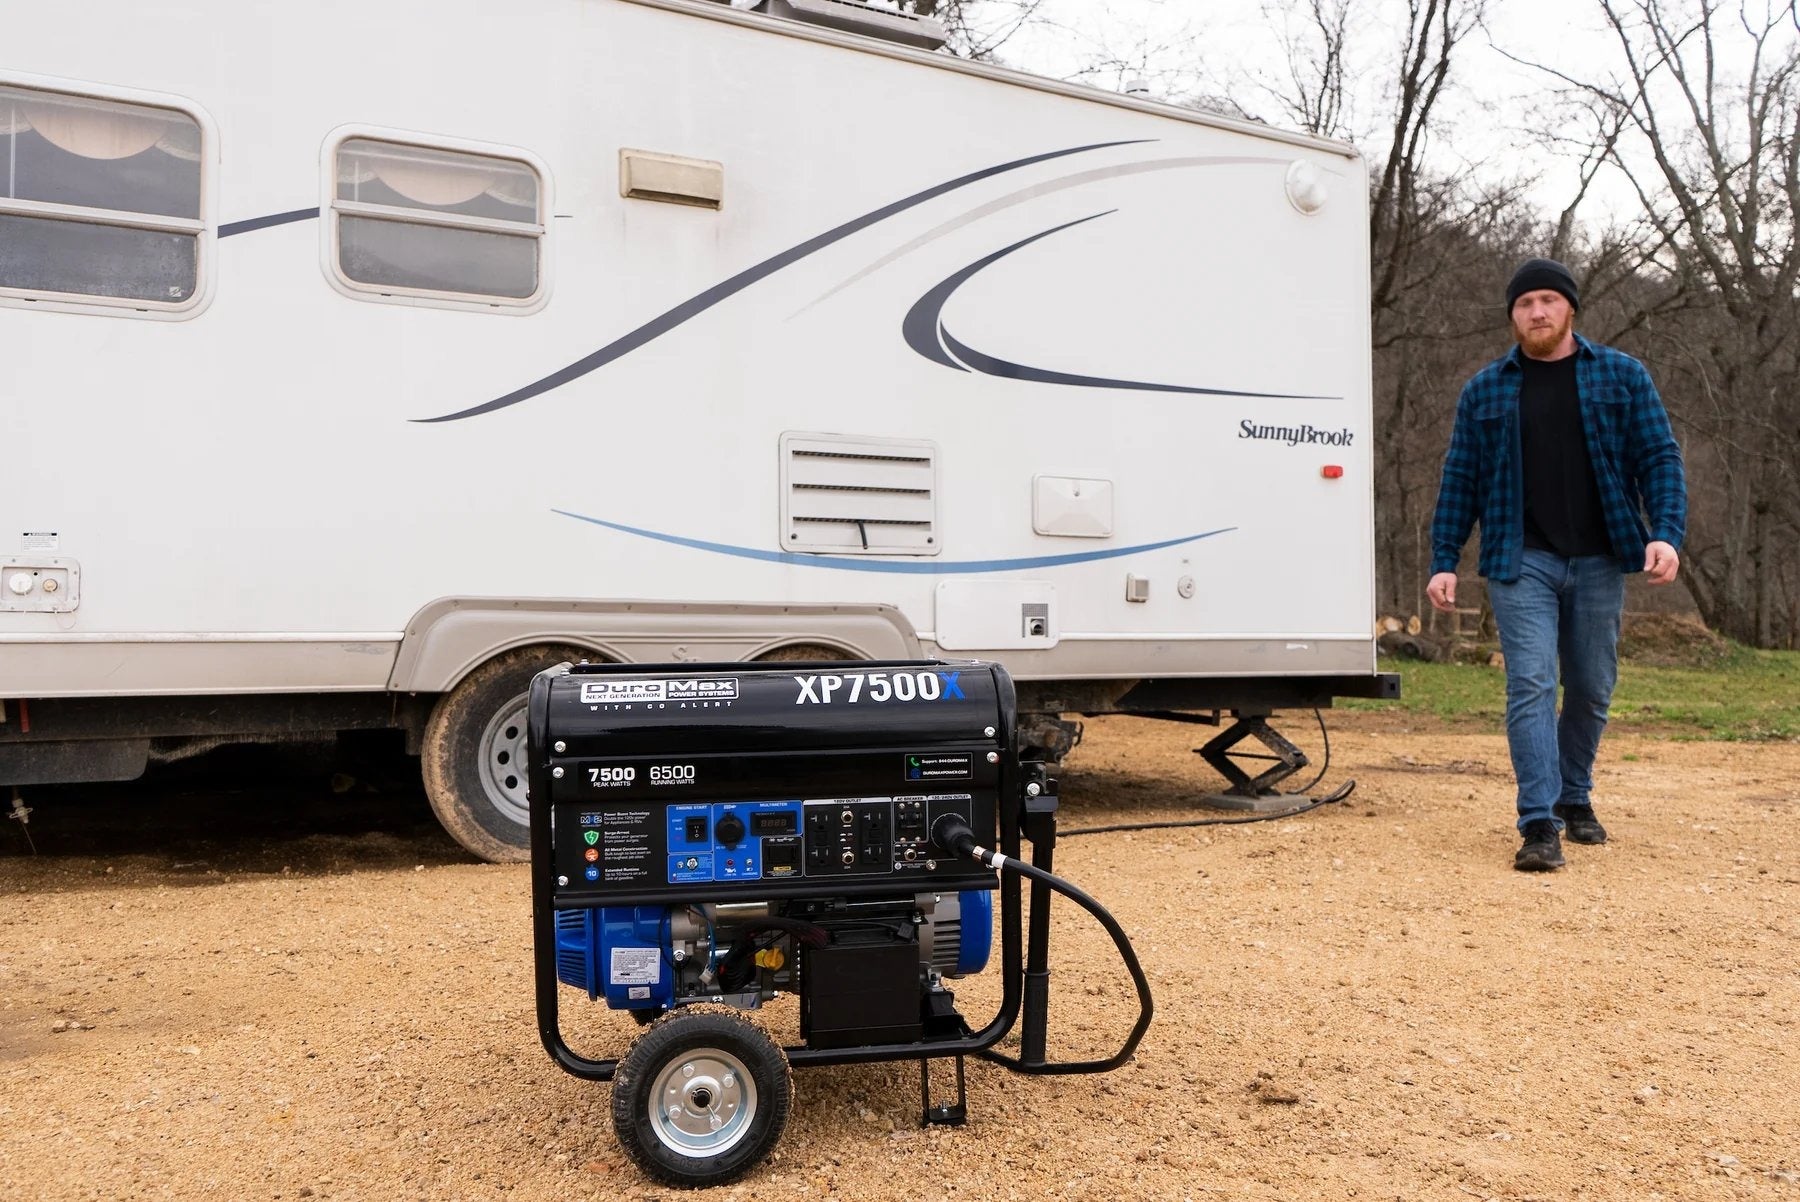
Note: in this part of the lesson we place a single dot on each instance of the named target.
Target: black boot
(1542, 850)
(1580, 824)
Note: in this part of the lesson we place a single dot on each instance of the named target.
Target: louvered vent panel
(862, 496)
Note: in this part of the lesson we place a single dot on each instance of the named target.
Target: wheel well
(451, 637)
(602, 653)
(804, 649)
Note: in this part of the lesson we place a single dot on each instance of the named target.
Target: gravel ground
(227, 990)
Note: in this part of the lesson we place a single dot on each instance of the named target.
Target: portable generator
(707, 838)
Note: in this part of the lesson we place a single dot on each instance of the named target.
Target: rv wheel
(473, 757)
(701, 1097)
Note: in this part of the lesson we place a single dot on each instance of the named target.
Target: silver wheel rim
(702, 1103)
(502, 761)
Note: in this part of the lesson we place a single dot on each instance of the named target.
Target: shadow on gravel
(1089, 798)
(247, 810)
(1101, 794)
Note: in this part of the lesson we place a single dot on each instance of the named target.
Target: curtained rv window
(98, 199)
(428, 222)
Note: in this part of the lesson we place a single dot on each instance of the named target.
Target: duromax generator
(708, 838)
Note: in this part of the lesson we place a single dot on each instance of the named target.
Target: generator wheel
(701, 1097)
(473, 757)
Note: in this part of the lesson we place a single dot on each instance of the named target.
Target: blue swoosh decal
(924, 331)
(905, 567)
(694, 306)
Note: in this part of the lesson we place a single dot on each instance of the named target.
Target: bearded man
(1562, 451)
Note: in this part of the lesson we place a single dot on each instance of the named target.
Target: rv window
(98, 199)
(422, 221)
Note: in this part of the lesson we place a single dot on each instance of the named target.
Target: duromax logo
(703, 690)
(610, 692)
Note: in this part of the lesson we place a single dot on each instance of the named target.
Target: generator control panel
(744, 782)
(726, 842)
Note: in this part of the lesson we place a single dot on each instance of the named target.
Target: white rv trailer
(363, 358)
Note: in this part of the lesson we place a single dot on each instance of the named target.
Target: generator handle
(1039, 823)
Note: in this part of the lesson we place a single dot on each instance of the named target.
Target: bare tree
(1702, 119)
(1163, 62)
(979, 29)
(1313, 92)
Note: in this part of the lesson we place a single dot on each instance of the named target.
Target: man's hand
(1442, 589)
(1661, 563)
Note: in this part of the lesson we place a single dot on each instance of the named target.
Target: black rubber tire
(699, 1034)
(491, 827)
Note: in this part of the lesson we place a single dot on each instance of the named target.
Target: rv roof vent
(860, 16)
(858, 496)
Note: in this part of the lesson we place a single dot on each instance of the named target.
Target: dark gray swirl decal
(658, 326)
(924, 331)
(233, 228)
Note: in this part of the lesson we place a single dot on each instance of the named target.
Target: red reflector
(1331, 471)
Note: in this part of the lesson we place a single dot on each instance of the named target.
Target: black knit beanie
(1534, 274)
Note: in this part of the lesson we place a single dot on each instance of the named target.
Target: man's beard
(1538, 343)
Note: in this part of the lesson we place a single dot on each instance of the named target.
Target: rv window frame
(331, 209)
(204, 228)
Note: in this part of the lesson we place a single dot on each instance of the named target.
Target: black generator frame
(1024, 969)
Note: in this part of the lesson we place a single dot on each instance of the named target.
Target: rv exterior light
(1331, 471)
(1306, 189)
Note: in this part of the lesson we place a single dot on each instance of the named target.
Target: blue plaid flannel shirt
(1637, 463)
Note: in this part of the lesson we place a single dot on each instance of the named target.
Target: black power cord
(1344, 790)
(953, 832)
(1319, 716)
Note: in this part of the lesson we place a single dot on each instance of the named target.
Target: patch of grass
(1750, 695)
(1454, 692)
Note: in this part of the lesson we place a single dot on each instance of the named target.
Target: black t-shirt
(1562, 499)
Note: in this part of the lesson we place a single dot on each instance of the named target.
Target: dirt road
(200, 1001)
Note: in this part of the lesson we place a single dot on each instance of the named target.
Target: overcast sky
(1183, 48)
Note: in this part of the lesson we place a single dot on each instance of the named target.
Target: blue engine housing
(622, 953)
(977, 938)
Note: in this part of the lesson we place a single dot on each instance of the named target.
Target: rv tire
(473, 754)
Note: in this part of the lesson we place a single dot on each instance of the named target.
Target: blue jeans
(1558, 612)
